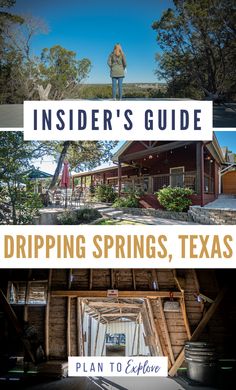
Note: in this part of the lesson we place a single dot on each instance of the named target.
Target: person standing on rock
(117, 64)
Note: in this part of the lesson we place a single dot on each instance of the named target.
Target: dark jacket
(117, 65)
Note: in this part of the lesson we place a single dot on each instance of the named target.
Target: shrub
(67, 218)
(105, 193)
(129, 201)
(87, 215)
(81, 216)
(17, 206)
(175, 198)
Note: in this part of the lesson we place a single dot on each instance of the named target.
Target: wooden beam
(96, 338)
(122, 294)
(134, 279)
(120, 314)
(119, 177)
(164, 322)
(183, 305)
(138, 340)
(68, 343)
(90, 279)
(153, 325)
(185, 317)
(27, 291)
(112, 278)
(11, 315)
(47, 311)
(89, 336)
(115, 305)
(69, 281)
(196, 281)
(104, 341)
(134, 337)
(201, 326)
(79, 328)
(156, 150)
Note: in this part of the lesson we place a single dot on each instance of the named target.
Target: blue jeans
(114, 82)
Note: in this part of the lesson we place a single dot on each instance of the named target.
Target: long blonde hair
(118, 50)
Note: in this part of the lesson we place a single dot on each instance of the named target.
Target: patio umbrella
(36, 175)
(65, 179)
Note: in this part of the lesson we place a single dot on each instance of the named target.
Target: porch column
(81, 181)
(119, 178)
(216, 179)
(200, 171)
(104, 178)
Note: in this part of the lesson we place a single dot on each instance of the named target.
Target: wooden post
(27, 290)
(79, 323)
(154, 329)
(68, 326)
(138, 341)
(119, 178)
(171, 354)
(89, 336)
(195, 277)
(104, 341)
(15, 322)
(90, 279)
(201, 326)
(112, 279)
(69, 279)
(133, 277)
(183, 306)
(133, 343)
(200, 170)
(96, 338)
(47, 310)
(185, 317)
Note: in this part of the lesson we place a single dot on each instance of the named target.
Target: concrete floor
(106, 383)
(224, 202)
(11, 115)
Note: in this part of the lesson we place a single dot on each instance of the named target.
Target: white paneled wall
(126, 327)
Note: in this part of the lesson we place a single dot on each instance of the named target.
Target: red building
(150, 165)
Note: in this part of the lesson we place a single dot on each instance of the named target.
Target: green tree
(197, 38)
(17, 206)
(55, 74)
(81, 155)
(61, 72)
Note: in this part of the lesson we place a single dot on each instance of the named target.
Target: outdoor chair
(76, 197)
(58, 198)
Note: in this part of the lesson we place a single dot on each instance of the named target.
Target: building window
(177, 177)
(31, 293)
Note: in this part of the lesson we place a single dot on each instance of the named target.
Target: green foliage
(67, 218)
(198, 44)
(17, 206)
(60, 68)
(82, 216)
(86, 215)
(55, 74)
(130, 200)
(105, 193)
(175, 198)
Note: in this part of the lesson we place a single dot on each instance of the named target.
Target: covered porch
(148, 166)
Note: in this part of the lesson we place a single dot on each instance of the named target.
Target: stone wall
(207, 216)
(156, 213)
